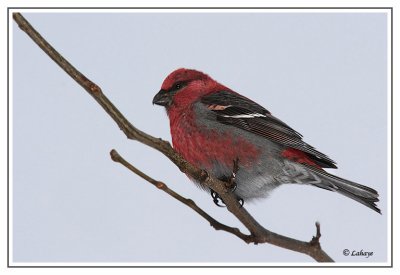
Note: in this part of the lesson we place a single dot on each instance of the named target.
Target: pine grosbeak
(213, 126)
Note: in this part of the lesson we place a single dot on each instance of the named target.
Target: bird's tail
(361, 193)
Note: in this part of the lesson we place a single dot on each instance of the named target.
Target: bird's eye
(177, 86)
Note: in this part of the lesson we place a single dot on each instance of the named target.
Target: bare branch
(115, 156)
(258, 233)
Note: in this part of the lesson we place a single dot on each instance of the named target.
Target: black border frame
(9, 10)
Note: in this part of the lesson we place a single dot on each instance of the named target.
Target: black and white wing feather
(239, 111)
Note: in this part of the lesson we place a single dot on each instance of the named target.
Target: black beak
(162, 98)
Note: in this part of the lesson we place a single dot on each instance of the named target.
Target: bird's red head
(184, 86)
(182, 76)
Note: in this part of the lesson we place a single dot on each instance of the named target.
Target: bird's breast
(210, 147)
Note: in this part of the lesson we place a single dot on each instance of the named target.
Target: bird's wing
(239, 111)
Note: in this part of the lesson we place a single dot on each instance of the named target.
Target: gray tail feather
(361, 193)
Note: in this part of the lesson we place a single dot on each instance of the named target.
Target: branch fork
(258, 234)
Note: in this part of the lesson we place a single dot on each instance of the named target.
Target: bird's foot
(230, 182)
(217, 199)
(220, 202)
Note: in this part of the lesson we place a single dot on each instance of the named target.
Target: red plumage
(213, 126)
(197, 146)
(298, 156)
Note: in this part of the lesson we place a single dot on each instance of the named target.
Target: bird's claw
(218, 200)
(231, 186)
(230, 182)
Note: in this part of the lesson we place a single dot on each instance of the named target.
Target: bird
(235, 139)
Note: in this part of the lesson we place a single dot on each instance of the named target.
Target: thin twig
(115, 156)
(259, 234)
(315, 239)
